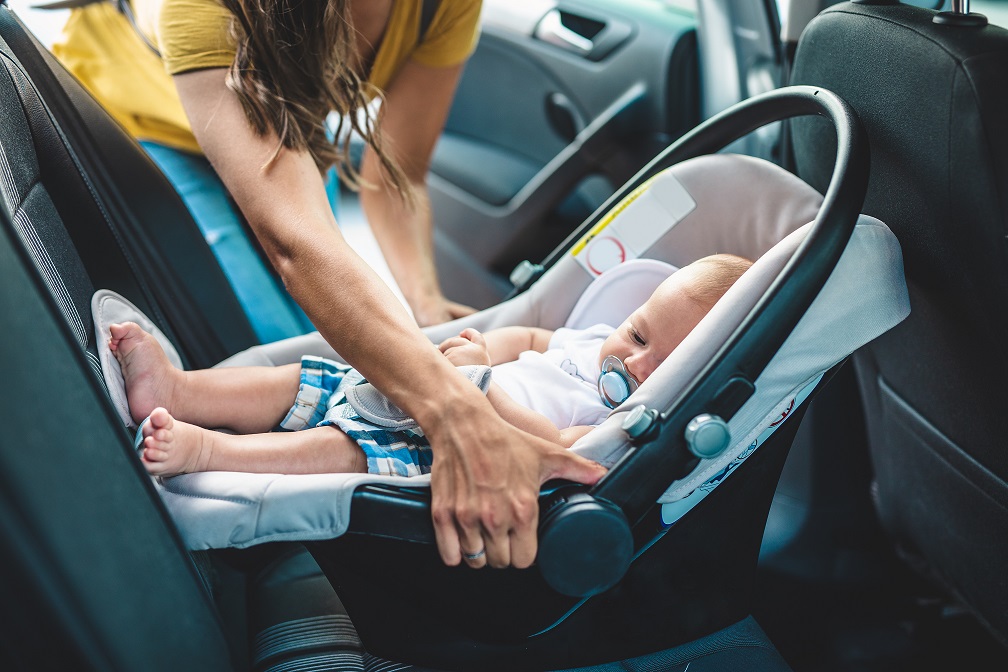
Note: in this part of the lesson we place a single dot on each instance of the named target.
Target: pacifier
(615, 383)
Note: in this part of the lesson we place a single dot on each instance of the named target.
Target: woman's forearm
(405, 234)
(355, 311)
(413, 115)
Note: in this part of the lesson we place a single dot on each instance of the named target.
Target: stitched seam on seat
(50, 274)
(181, 493)
(987, 141)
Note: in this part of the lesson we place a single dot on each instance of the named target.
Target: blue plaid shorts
(321, 401)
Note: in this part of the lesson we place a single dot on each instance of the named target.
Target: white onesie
(561, 383)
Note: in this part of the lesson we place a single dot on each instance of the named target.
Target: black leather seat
(934, 100)
(82, 208)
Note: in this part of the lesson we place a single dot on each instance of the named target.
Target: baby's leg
(247, 399)
(174, 447)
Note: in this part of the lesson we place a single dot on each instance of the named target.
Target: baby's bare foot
(173, 447)
(150, 378)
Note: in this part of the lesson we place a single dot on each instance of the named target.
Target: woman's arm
(414, 112)
(487, 474)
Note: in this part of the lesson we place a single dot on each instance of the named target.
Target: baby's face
(655, 329)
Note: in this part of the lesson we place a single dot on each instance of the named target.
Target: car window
(685, 5)
(996, 11)
(46, 24)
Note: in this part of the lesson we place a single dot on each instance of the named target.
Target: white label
(637, 227)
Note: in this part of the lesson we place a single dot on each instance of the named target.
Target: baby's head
(655, 329)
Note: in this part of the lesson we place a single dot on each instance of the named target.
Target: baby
(554, 384)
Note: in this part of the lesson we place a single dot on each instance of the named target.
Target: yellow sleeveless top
(102, 50)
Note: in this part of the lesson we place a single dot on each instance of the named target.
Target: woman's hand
(469, 347)
(439, 310)
(485, 486)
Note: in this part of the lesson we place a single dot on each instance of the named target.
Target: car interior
(856, 151)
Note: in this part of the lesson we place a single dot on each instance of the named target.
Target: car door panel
(560, 104)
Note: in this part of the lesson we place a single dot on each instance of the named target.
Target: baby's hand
(469, 347)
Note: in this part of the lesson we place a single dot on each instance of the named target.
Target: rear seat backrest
(934, 100)
(38, 225)
(57, 206)
(94, 574)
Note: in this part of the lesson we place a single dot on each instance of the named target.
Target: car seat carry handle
(724, 385)
(662, 454)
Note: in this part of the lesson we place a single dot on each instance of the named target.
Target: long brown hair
(293, 65)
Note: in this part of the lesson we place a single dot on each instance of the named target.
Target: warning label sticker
(634, 225)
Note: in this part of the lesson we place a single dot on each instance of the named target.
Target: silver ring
(474, 556)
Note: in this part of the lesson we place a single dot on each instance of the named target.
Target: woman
(253, 80)
(129, 67)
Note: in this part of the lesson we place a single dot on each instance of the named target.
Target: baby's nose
(633, 366)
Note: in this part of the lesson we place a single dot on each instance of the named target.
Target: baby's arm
(571, 434)
(506, 343)
(530, 421)
(496, 346)
(523, 418)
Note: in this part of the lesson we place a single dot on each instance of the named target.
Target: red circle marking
(619, 246)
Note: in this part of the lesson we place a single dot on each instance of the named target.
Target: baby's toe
(160, 418)
(153, 452)
(155, 468)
